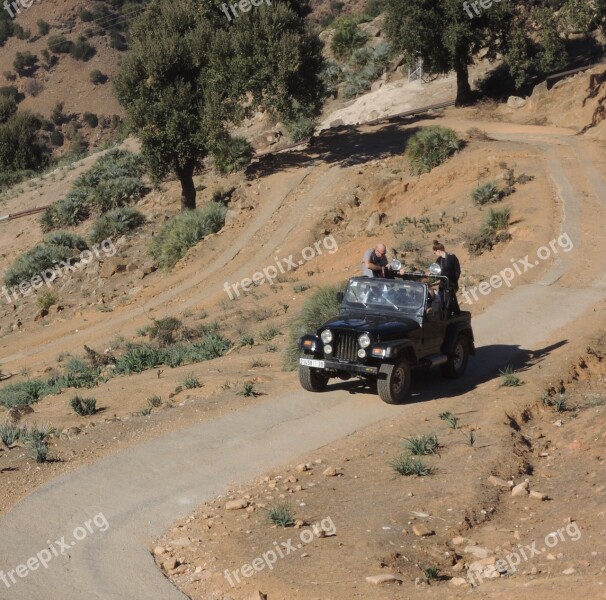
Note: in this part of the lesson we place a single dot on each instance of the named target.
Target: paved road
(142, 491)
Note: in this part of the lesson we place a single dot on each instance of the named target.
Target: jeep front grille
(347, 347)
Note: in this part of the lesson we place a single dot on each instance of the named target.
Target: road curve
(142, 491)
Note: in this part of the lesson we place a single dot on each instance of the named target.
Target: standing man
(451, 268)
(375, 263)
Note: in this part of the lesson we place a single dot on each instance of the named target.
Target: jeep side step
(434, 360)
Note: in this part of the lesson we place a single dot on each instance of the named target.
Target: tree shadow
(428, 384)
(344, 146)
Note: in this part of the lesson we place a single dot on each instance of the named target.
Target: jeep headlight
(364, 340)
(326, 336)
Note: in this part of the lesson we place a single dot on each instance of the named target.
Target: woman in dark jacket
(451, 268)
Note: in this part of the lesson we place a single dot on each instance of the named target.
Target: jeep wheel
(394, 382)
(457, 361)
(311, 379)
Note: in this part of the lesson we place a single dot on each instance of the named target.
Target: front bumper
(335, 365)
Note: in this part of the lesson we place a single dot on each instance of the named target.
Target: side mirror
(340, 297)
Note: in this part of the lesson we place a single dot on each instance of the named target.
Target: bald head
(381, 249)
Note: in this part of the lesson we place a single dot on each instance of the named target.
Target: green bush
(9, 91)
(348, 37)
(115, 223)
(24, 61)
(82, 50)
(301, 128)
(43, 27)
(97, 77)
(20, 147)
(112, 182)
(90, 119)
(485, 193)
(232, 155)
(496, 220)
(316, 310)
(57, 248)
(492, 231)
(59, 44)
(431, 147)
(184, 231)
(56, 138)
(8, 107)
(24, 392)
(84, 406)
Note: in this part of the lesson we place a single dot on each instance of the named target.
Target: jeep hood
(380, 327)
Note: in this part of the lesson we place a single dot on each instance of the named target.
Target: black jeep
(385, 327)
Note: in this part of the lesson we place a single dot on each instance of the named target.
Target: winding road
(143, 491)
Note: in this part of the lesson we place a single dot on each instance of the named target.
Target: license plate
(310, 362)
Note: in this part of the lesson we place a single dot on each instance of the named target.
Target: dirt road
(143, 491)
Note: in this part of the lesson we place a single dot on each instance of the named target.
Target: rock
(302, 468)
(72, 431)
(476, 551)
(458, 581)
(258, 595)
(43, 312)
(170, 564)
(558, 423)
(516, 102)
(379, 579)
(181, 542)
(16, 413)
(336, 123)
(498, 482)
(330, 472)
(111, 266)
(569, 571)
(421, 530)
(538, 495)
(520, 490)
(236, 504)
(159, 550)
(459, 540)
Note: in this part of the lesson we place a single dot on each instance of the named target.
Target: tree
(192, 72)
(448, 34)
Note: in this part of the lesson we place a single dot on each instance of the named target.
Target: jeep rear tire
(457, 359)
(393, 382)
(312, 379)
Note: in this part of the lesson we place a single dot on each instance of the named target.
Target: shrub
(115, 223)
(281, 514)
(269, 333)
(485, 193)
(184, 231)
(8, 107)
(248, 390)
(23, 62)
(431, 147)
(83, 406)
(80, 374)
(163, 331)
(232, 154)
(39, 451)
(56, 138)
(24, 392)
(408, 465)
(54, 249)
(154, 401)
(496, 220)
(97, 77)
(112, 182)
(117, 41)
(20, 147)
(301, 128)
(347, 38)
(423, 444)
(191, 382)
(491, 232)
(374, 8)
(9, 91)
(316, 310)
(59, 44)
(9, 434)
(451, 419)
(82, 50)
(509, 378)
(90, 119)
(46, 299)
(79, 146)
(43, 27)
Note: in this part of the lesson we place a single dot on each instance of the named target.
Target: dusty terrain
(207, 442)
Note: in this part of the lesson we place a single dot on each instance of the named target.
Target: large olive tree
(194, 71)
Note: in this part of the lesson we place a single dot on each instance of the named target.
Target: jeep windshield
(384, 294)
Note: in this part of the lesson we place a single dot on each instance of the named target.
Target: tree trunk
(464, 95)
(188, 189)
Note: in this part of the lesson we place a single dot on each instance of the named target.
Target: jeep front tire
(393, 382)
(312, 379)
